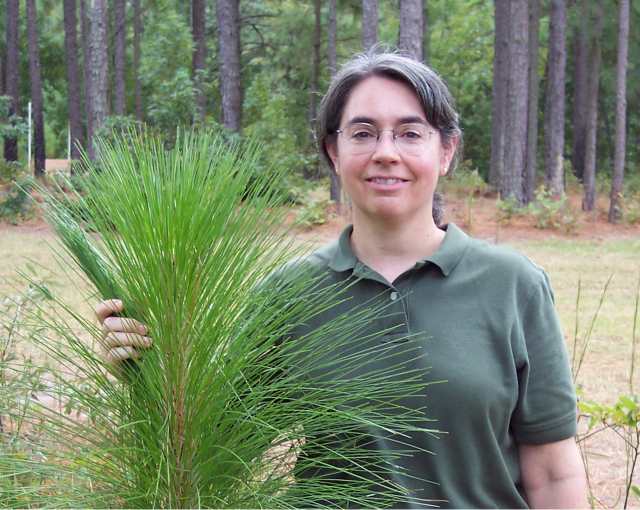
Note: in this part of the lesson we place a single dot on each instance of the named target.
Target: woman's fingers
(125, 325)
(121, 337)
(117, 339)
(115, 357)
(108, 307)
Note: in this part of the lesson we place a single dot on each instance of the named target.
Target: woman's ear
(448, 151)
(332, 150)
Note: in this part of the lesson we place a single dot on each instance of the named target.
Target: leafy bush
(15, 203)
(9, 171)
(548, 210)
(10, 127)
(552, 212)
(314, 211)
(464, 181)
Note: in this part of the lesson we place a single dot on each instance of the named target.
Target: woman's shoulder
(498, 261)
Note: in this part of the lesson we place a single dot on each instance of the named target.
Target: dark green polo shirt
(485, 317)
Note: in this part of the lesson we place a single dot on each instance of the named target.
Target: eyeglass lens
(410, 139)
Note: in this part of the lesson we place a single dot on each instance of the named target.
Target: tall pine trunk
(410, 27)
(334, 190)
(199, 59)
(11, 73)
(500, 90)
(589, 199)
(228, 13)
(119, 58)
(369, 24)
(516, 127)
(532, 116)
(615, 209)
(73, 78)
(86, 71)
(137, 29)
(315, 68)
(36, 90)
(99, 68)
(554, 121)
(580, 88)
(426, 36)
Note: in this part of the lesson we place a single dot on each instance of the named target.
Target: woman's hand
(121, 337)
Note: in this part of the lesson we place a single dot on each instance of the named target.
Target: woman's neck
(392, 249)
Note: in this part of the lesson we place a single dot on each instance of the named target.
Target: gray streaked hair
(429, 87)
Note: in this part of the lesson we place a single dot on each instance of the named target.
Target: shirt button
(394, 296)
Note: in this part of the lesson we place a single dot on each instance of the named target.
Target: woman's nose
(385, 149)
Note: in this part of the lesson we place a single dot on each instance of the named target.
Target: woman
(484, 314)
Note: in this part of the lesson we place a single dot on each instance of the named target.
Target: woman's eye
(363, 135)
(410, 134)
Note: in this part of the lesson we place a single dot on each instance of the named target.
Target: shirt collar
(446, 257)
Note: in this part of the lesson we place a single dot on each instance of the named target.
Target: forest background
(258, 68)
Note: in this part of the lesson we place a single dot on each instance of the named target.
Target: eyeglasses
(410, 139)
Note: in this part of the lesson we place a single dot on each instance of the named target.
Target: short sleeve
(546, 408)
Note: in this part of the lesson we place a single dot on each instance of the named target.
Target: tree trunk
(99, 68)
(554, 120)
(532, 116)
(199, 61)
(334, 191)
(500, 91)
(516, 128)
(136, 57)
(580, 89)
(426, 36)
(230, 65)
(615, 210)
(333, 38)
(410, 27)
(36, 89)
(11, 73)
(589, 200)
(315, 68)
(369, 24)
(119, 58)
(73, 78)
(86, 71)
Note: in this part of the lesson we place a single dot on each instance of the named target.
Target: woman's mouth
(387, 182)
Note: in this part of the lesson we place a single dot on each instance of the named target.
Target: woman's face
(386, 184)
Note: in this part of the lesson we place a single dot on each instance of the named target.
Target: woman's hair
(431, 91)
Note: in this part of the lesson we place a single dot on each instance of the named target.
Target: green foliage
(464, 181)
(623, 416)
(216, 413)
(314, 211)
(550, 211)
(10, 127)
(461, 45)
(508, 208)
(9, 171)
(173, 103)
(20, 383)
(631, 207)
(15, 202)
